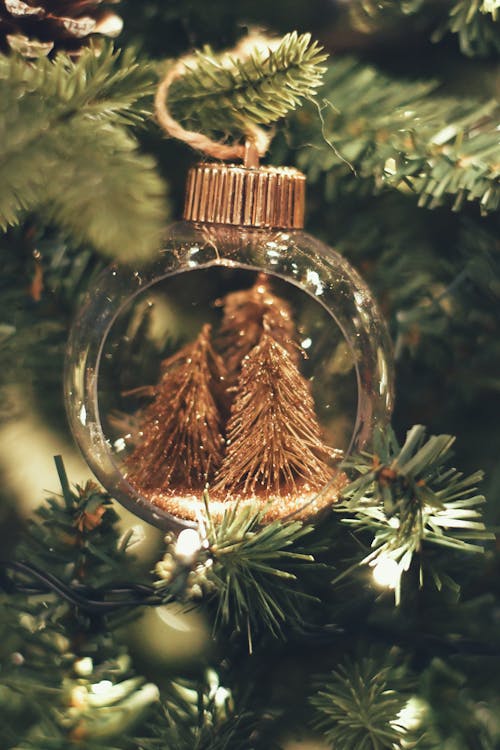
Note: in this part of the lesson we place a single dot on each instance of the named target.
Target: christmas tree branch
(475, 22)
(427, 294)
(113, 86)
(447, 706)
(360, 705)
(55, 657)
(223, 93)
(451, 157)
(200, 715)
(407, 498)
(255, 572)
(250, 572)
(477, 25)
(82, 679)
(66, 154)
(126, 213)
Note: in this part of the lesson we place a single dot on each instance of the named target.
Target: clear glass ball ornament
(249, 361)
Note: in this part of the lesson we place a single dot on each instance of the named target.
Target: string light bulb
(386, 572)
(188, 545)
(101, 687)
(213, 417)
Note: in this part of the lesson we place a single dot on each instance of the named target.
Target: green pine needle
(66, 154)
(443, 150)
(476, 23)
(124, 214)
(199, 715)
(407, 497)
(358, 706)
(255, 571)
(220, 93)
(74, 537)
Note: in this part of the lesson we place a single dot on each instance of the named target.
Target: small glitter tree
(273, 437)
(243, 421)
(181, 441)
(243, 323)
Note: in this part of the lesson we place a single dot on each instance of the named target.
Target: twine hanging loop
(257, 139)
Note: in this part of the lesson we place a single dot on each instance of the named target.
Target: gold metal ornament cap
(261, 197)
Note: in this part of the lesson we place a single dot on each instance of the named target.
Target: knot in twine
(257, 139)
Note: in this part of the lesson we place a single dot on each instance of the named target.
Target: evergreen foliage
(255, 572)
(65, 677)
(199, 715)
(359, 705)
(66, 153)
(408, 497)
(74, 153)
(475, 22)
(401, 134)
(429, 293)
(223, 93)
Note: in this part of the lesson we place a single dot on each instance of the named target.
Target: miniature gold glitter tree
(243, 323)
(181, 441)
(243, 421)
(273, 440)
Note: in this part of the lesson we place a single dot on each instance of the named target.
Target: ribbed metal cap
(271, 197)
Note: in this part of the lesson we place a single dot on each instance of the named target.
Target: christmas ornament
(36, 28)
(248, 357)
(242, 365)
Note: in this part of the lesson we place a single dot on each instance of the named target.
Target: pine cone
(43, 27)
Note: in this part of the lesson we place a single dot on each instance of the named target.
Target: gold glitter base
(189, 506)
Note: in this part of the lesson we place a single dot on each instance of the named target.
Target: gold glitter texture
(181, 440)
(274, 507)
(273, 442)
(243, 323)
(243, 421)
